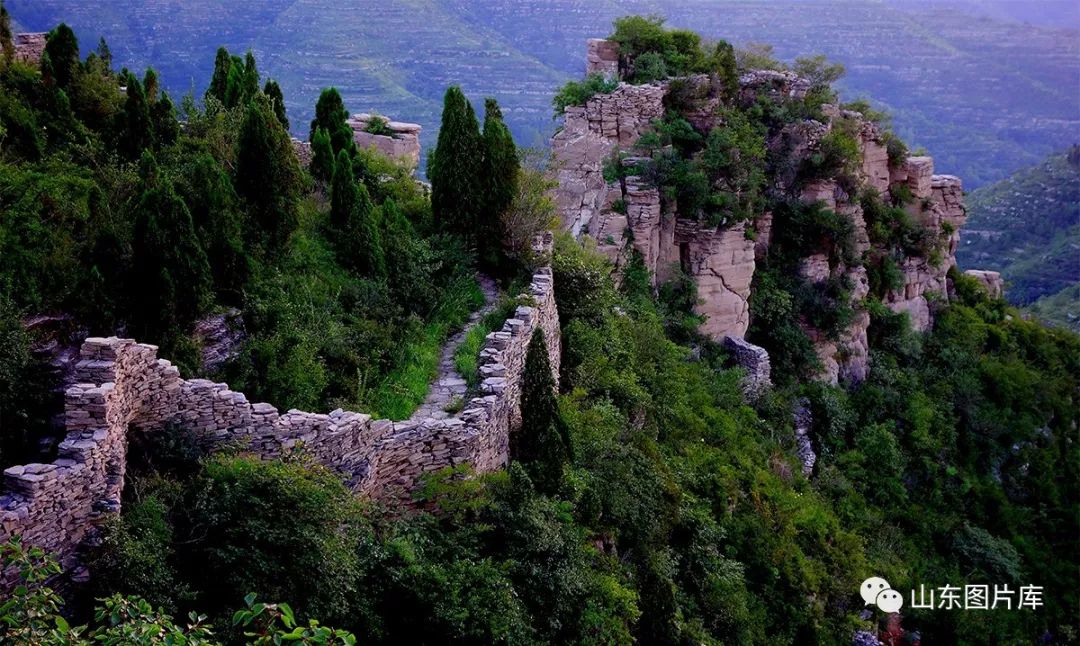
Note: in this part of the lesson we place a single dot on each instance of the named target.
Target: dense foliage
(646, 499)
(114, 216)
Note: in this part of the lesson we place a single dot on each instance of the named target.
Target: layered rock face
(589, 136)
(632, 214)
(30, 47)
(123, 387)
(402, 144)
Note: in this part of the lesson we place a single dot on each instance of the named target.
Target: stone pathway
(449, 385)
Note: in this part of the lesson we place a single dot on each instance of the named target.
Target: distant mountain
(1061, 309)
(986, 97)
(1028, 228)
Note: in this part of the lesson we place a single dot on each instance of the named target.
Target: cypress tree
(273, 91)
(454, 166)
(7, 38)
(365, 237)
(501, 173)
(104, 53)
(163, 117)
(150, 85)
(220, 79)
(234, 87)
(352, 216)
(331, 115)
(343, 193)
(267, 173)
(542, 442)
(322, 156)
(170, 273)
(209, 195)
(62, 48)
(136, 132)
(250, 86)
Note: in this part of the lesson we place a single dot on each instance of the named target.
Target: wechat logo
(875, 591)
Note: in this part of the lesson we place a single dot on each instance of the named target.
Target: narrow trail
(449, 384)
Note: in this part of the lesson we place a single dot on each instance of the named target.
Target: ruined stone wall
(403, 144)
(124, 387)
(30, 47)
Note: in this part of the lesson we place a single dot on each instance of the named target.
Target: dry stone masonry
(123, 387)
(30, 47)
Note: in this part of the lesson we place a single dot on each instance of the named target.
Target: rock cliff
(632, 213)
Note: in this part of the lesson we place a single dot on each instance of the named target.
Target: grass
(402, 391)
(467, 355)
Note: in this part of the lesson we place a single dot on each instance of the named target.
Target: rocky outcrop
(804, 448)
(219, 337)
(755, 361)
(991, 281)
(402, 143)
(591, 135)
(602, 57)
(123, 387)
(721, 261)
(29, 48)
(631, 215)
(938, 205)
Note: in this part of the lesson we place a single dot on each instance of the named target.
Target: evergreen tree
(220, 80)
(209, 195)
(353, 218)
(331, 115)
(454, 166)
(501, 172)
(267, 173)
(136, 131)
(344, 194)
(170, 274)
(104, 53)
(150, 85)
(7, 38)
(62, 48)
(322, 156)
(542, 443)
(723, 64)
(163, 117)
(234, 86)
(273, 91)
(250, 86)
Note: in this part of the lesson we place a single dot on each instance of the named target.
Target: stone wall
(123, 387)
(403, 144)
(30, 47)
(602, 57)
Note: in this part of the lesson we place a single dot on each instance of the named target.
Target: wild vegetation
(645, 499)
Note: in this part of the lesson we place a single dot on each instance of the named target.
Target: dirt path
(449, 385)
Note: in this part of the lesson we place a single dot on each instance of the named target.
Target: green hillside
(987, 96)
(1028, 228)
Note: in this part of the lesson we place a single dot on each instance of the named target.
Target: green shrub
(378, 125)
(579, 92)
(648, 67)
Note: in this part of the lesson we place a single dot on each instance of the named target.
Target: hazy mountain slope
(1061, 309)
(987, 97)
(1028, 227)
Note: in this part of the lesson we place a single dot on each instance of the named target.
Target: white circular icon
(890, 600)
(871, 588)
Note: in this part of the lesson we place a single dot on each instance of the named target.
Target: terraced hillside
(1028, 228)
(988, 96)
